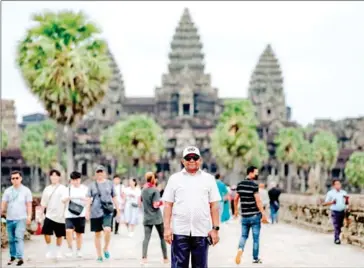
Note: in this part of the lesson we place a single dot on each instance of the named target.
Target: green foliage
(289, 142)
(138, 137)
(325, 149)
(354, 169)
(236, 137)
(64, 64)
(4, 139)
(306, 154)
(38, 144)
(121, 170)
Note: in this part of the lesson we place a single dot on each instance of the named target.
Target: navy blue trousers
(184, 246)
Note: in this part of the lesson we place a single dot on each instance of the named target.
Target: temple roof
(267, 68)
(186, 47)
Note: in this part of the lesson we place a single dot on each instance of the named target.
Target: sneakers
(257, 261)
(69, 253)
(49, 254)
(20, 262)
(99, 259)
(59, 255)
(79, 254)
(107, 255)
(337, 242)
(131, 234)
(239, 254)
(11, 261)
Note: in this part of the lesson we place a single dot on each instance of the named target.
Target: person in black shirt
(251, 211)
(274, 194)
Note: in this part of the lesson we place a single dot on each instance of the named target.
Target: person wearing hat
(103, 200)
(194, 197)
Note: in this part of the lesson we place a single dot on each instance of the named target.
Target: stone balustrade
(306, 211)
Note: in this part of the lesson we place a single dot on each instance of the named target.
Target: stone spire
(186, 47)
(266, 88)
(110, 108)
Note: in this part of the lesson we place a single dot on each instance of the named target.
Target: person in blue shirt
(224, 203)
(338, 200)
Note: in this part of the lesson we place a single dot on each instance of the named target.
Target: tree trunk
(323, 181)
(318, 177)
(35, 180)
(69, 148)
(281, 172)
(60, 131)
(289, 178)
(303, 180)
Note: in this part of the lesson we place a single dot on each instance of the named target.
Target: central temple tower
(186, 104)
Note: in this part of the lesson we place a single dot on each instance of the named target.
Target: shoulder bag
(107, 207)
(73, 207)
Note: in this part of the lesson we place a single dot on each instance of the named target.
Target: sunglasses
(15, 178)
(195, 157)
(99, 171)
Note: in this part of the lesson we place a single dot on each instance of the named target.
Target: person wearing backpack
(102, 200)
(54, 222)
(76, 200)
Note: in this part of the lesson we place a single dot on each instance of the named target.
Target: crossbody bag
(73, 207)
(107, 207)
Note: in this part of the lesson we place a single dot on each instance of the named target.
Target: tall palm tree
(137, 143)
(235, 142)
(325, 150)
(289, 141)
(304, 162)
(354, 170)
(66, 66)
(38, 149)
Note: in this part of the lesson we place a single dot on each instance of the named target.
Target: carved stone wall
(306, 211)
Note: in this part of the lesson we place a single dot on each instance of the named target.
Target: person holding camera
(338, 200)
(102, 200)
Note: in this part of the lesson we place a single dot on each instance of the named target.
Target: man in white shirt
(54, 222)
(193, 196)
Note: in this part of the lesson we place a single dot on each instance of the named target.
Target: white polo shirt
(191, 195)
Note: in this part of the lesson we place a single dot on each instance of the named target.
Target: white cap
(191, 150)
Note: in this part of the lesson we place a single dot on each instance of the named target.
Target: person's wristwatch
(216, 228)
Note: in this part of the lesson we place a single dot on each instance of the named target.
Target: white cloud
(319, 46)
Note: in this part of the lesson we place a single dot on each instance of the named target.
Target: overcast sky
(320, 46)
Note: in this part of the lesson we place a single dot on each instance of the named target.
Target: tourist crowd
(194, 203)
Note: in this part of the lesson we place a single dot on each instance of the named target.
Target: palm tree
(354, 170)
(305, 160)
(325, 150)
(66, 66)
(137, 143)
(289, 141)
(38, 149)
(235, 142)
(4, 140)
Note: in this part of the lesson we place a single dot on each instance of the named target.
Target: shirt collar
(184, 171)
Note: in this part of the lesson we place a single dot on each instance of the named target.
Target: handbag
(108, 207)
(73, 207)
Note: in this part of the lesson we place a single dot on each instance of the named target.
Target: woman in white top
(132, 205)
(76, 200)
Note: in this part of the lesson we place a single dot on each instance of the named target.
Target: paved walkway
(281, 246)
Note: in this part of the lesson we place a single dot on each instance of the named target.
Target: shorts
(77, 224)
(98, 224)
(51, 227)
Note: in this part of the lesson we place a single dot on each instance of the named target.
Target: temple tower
(266, 89)
(186, 90)
(110, 108)
(186, 104)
